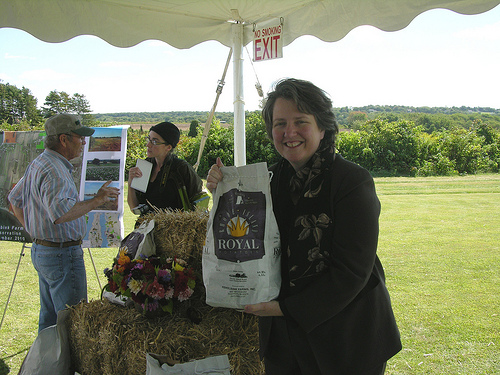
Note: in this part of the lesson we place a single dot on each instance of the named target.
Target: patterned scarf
(315, 165)
(308, 222)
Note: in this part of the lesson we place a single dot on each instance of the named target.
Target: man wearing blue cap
(46, 203)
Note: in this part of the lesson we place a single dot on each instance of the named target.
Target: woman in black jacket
(333, 314)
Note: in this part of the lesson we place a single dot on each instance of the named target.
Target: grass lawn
(440, 247)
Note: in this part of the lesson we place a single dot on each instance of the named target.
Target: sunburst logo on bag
(237, 228)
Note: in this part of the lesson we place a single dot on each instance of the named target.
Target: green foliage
(356, 118)
(388, 140)
(193, 128)
(177, 117)
(136, 148)
(23, 125)
(259, 147)
(464, 148)
(353, 145)
(218, 144)
(18, 106)
(56, 102)
(386, 146)
(102, 173)
(61, 102)
(383, 146)
(402, 148)
(439, 165)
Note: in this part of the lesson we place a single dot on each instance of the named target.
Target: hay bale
(107, 339)
(179, 233)
(111, 339)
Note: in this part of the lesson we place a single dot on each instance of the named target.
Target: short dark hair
(309, 99)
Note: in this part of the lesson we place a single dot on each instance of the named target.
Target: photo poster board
(106, 156)
(103, 160)
(17, 150)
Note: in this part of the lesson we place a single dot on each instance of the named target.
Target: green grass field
(440, 247)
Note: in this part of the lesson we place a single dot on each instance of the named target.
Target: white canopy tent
(183, 24)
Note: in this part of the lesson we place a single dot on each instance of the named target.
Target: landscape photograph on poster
(90, 191)
(102, 170)
(106, 139)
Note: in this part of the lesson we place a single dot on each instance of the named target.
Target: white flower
(135, 285)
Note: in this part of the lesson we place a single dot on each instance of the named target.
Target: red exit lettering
(266, 48)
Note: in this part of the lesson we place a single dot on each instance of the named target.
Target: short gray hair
(51, 141)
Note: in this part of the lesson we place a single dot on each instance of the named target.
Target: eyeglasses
(154, 141)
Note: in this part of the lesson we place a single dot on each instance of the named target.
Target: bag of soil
(241, 256)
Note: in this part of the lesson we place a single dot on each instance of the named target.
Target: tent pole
(206, 129)
(239, 103)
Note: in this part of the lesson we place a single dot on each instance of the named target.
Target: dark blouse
(163, 191)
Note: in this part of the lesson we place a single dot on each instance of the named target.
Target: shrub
(259, 147)
(219, 143)
(136, 148)
(464, 148)
(193, 128)
(395, 146)
(440, 165)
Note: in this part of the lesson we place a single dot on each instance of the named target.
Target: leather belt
(58, 244)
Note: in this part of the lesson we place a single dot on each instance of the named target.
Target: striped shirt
(45, 193)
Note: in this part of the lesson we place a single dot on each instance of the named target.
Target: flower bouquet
(153, 283)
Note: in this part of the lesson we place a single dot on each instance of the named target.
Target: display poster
(103, 159)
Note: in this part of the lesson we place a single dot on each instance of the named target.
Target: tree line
(385, 147)
(19, 109)
(399, 143)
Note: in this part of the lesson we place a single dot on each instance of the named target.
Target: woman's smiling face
(296, 135)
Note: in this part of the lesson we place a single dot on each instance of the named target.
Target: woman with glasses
(173, 182)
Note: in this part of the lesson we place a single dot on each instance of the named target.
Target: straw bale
(108, 339)
(179, 233)
(111, 339)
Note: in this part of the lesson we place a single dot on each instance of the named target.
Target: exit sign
(268, 41)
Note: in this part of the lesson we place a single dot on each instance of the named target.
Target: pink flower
(156, 290)
(185, 294)
(169, 293)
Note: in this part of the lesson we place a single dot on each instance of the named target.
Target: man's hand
(106, 192)
(81, 208)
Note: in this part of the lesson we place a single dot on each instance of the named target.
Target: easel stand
(95, 269)
(26, 246)
(13, 281)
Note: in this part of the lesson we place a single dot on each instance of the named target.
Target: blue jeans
(62, 280)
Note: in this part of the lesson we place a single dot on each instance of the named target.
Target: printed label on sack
(239, 226)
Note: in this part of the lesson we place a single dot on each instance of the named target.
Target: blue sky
(441, 59)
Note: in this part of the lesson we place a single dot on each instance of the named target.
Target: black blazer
(346, 312)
